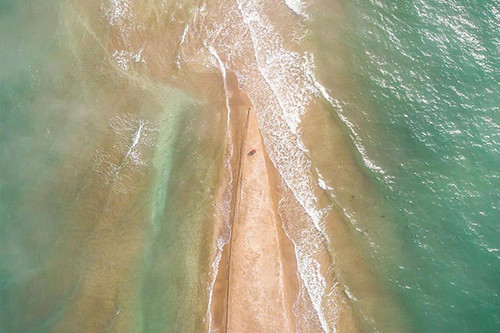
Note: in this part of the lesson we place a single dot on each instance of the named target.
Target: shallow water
(381, 118)
(102, 183)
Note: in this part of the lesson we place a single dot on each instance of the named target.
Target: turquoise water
(61, 219)
(419, 81)
(426, 103)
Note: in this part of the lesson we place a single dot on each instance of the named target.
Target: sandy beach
(257, 283)
(249, 166)
(259, 290)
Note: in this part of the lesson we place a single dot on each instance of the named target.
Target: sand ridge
(258, 291)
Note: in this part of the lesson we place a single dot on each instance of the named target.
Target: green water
(419, 81)
(61, 219)
(422, 88)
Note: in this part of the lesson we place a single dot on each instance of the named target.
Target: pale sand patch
(258, 297)
(258, 264)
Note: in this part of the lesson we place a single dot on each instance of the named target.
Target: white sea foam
(281, 103)
(123, 58)
(222, 69)
(184, 33)
(131, 136)
(183, 39)
(225, 235)
(322, 182)
(298, 7)
(135, 140)
(118, 13)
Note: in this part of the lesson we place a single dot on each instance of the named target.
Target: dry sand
(256, 283)
(258, 299)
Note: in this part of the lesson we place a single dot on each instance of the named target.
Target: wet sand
(258, 299)
(257, 282)
(257, 288)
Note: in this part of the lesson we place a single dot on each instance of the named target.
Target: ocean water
(105, 178)
(421, 92)
(381, 118)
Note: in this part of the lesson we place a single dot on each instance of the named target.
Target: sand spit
(257, 282)
(258, 298)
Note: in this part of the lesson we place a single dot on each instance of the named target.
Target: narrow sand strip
(258, 295)
(256, 284)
